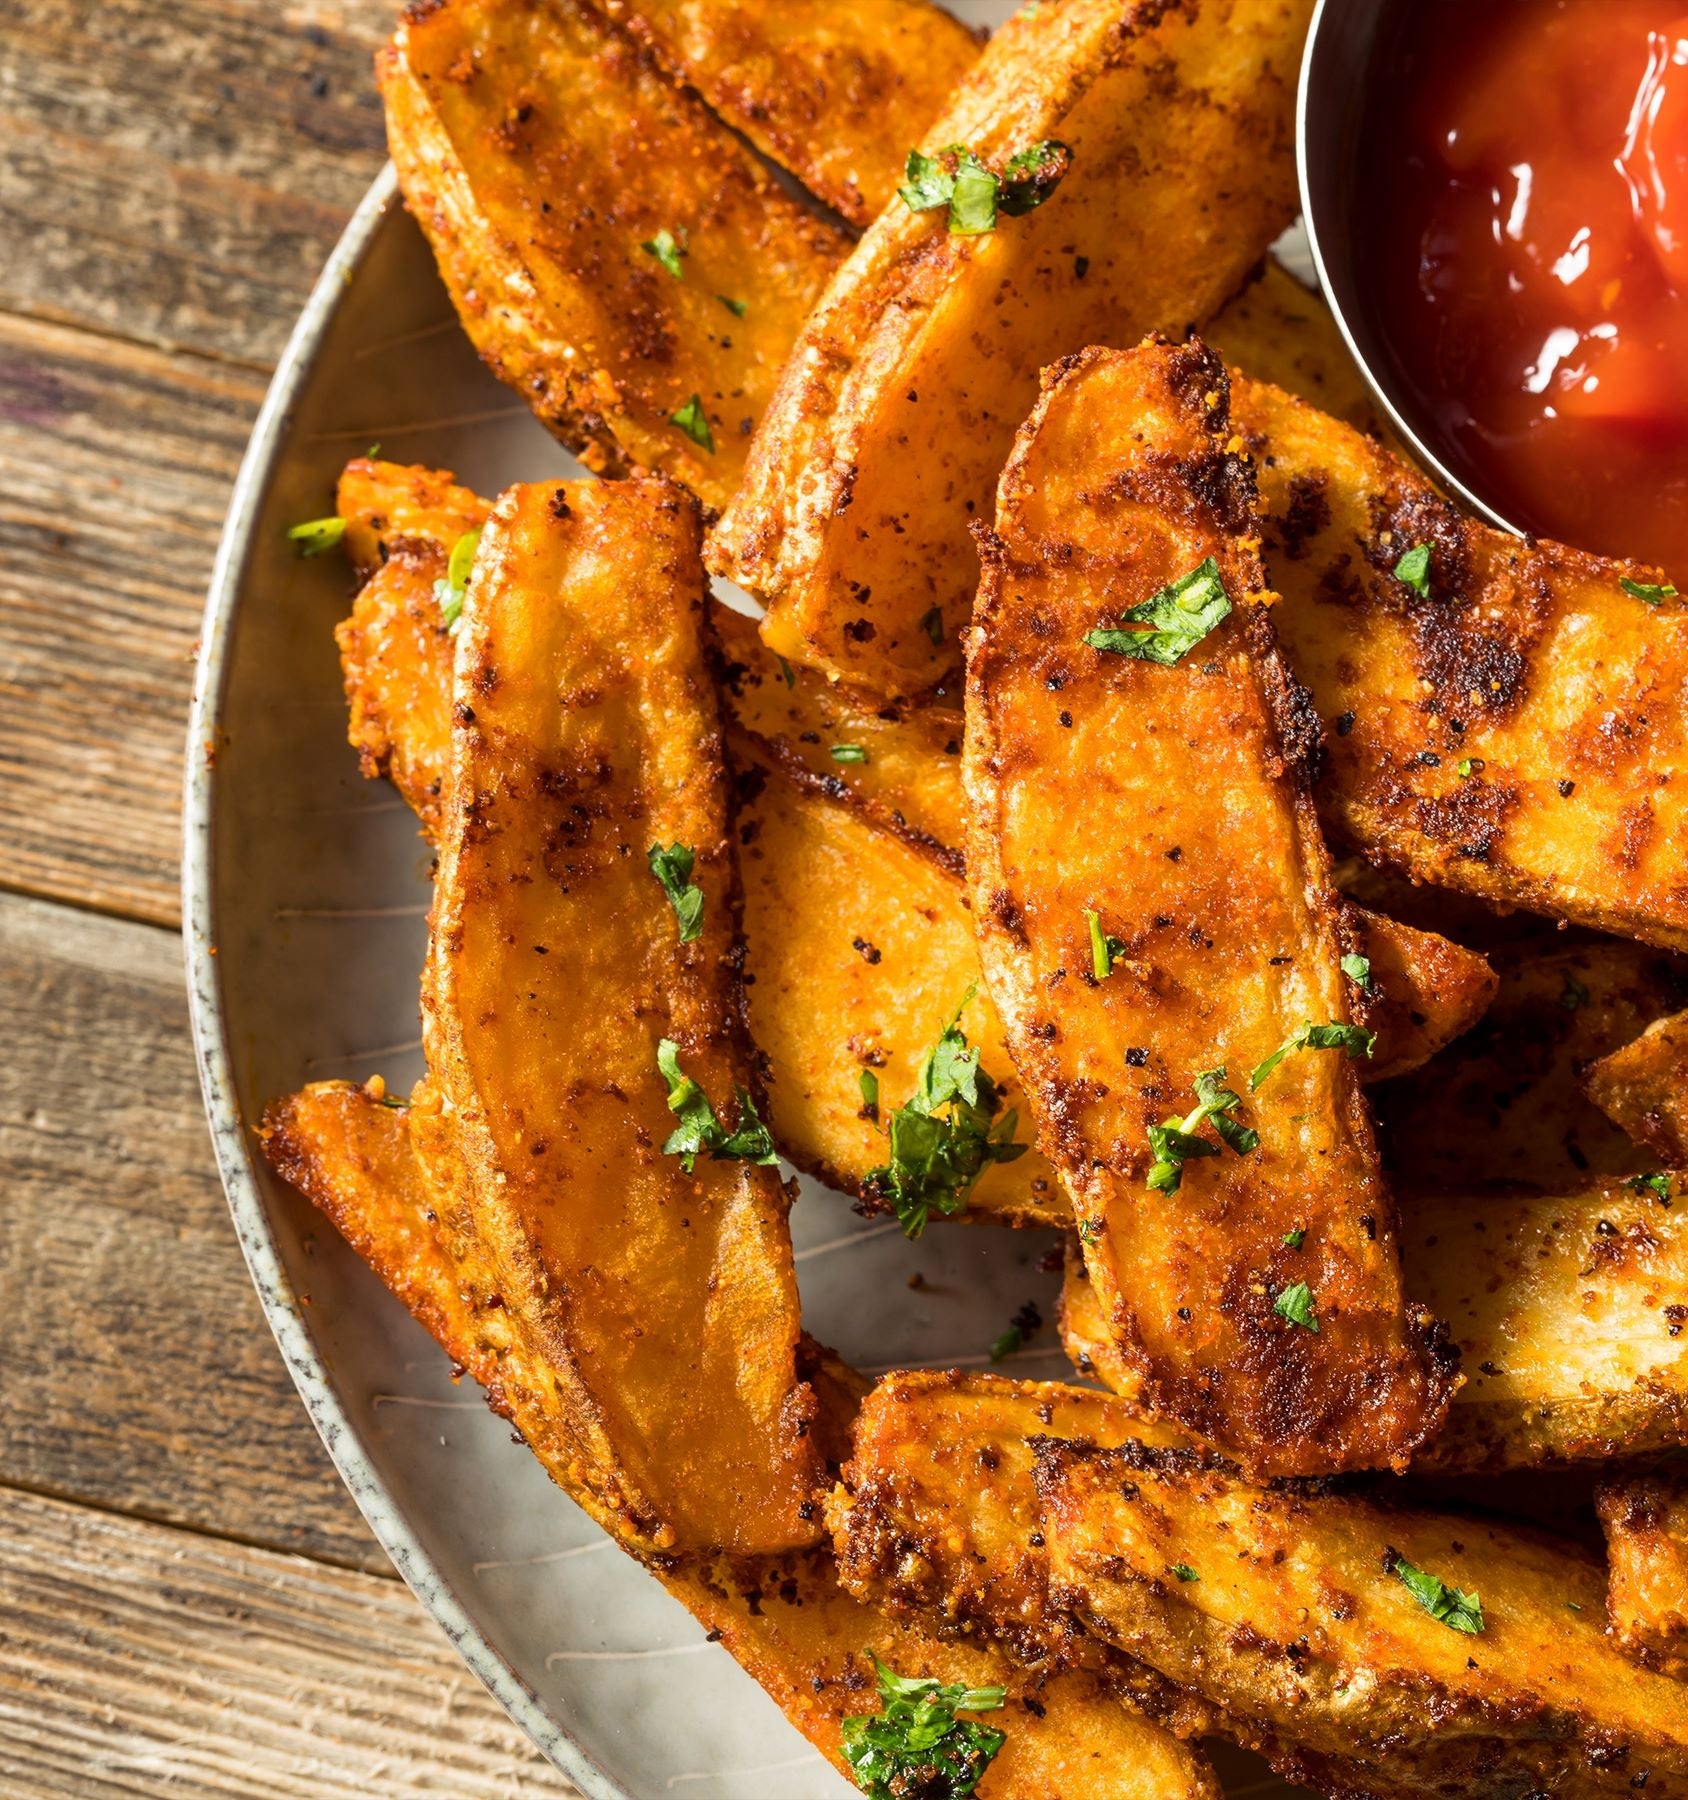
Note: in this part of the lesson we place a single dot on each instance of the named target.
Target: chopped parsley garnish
(1295, 1303)
(869, 1084)
(454, 589)
(1573, 996)
(848, 753)
(1184, 1572)
(788, 672)
(1355, 1039)
(667, 252)
(1103, 948)
(1650, 1184)
(1174, 1142)
(1653, 592)
(932, 623)
(1089, 1231)
(1358, 971)
(1469, 766)
(1414, 569)
(1007, 1344)
(699, 1129)
(738, 308)
(673, 868)
(955, 178)
(1295, 1239)
(917, 1746)
(944, 1136)
(1459, 1612)
(694, 423)
(1179, 617)
(317, 535)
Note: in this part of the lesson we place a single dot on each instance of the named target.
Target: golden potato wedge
(392, 508)
(1294, 1611)
(542, 152)
(1504, 1109)
(836, 94)
(785, 1620)
(1164, 804)
(899, 404)
(1643, 1089)
(1645, 1518)
(1519, 728)
(574, 1017)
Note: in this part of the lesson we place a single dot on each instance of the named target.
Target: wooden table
(189, 1603)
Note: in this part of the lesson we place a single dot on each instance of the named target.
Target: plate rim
(231, 1136)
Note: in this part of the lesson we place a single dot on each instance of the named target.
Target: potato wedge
(1504, 1109)
(1518, 731)
(836, 94)
(785, 1620)
(1645, 1518)
(1643, 1089)
(900, 401)
(585, 735)
(1294, 1612)
(542, 151)
(1171, 802)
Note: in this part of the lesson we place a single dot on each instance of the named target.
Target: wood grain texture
(140, 1660)
(136, 1367)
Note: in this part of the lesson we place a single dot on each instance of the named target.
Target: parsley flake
(673, 868)
(932, 623)
(1295, 1239)
(667, 251)
(317, 535)
(917, 1745)
(1174, 1142)
(973, 194)
(848, 753)
(1295, 1303)
(454, 589)
(738, 308)
(1103, 948)
(1653, 593)
(943, 1137)
(1007, 1344)
(1448, 1606)
(699, 1129)
(1183, 1571)
(694, 422)
(1469, 766)
(1573, 996)
(787, 672)
(1089, 1231)
(1414, 570)
(1355, 1039)
(868, 1082)
(1650, 1184)
(1030, 176)
(1358, 971)
(1179, 617)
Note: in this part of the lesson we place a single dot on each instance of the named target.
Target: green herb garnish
(1459, 1612)
(454, 589)
(1358, 971)
(1649, 1184)
(787, 671)
(848, 753)
(1414, 569)
(1174, 1143)
(1295, 1239)
(1653, 592)
(916, 1748)
(1469, 766)
(868, 1082)
(1573, 996)
(667, 252)
(944, 1136)
(932, 623)
(699, 1129)
(1355, 1039)
(1179, 617)
(738, 308)
(1103, 948)
(1029, 177)
(955, 178)
(317, 535)
(694, 423)
(1184, 1572)
(673, 868)
(1007, 1344)
(1295, 1303)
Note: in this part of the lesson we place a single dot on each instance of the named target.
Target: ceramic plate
(311, 886)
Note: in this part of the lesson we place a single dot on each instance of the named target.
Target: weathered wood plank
(138, 1660)
(115, 463)
(137, 1369)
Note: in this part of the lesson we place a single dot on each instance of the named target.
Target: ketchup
(1525, 171)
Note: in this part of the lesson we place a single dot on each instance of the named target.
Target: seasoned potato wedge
(785, 1620)
(899, 405)
(837, 94)
(1170, 801)
(1504, 1108)
(585, 734)
(1294, 1612)
(541, 151)
(1646, 1523)
(1520, 729)
(1643, 1089)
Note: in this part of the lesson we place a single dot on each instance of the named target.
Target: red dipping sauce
(1525, 256)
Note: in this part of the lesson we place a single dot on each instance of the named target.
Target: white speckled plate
(305, 894)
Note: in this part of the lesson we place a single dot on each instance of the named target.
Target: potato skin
(898, 407)
(1642, 1087)
(1174, 801)
(1645, 1518)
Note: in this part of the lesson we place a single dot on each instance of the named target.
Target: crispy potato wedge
(392, 508)
(1643, 1089)
(540, 149)
(1645, 1518)
(1568, 1311)
(1291, 1615)
(1563, 698)
(585, 732)
(1173, 802)
(835, 94)
(785, 1620)
(1504, 1109)
(899, 404)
